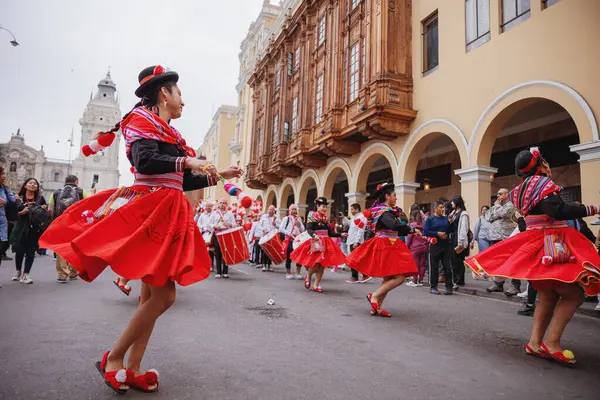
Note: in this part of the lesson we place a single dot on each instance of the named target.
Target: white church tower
(101, 114)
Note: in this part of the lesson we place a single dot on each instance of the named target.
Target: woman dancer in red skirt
(320, 252)
(145, 231)
(558, 259)
(385, 255)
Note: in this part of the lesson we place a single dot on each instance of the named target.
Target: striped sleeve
(592, 210)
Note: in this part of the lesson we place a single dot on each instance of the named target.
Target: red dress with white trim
(145, 231)
(549, 253)
(385, 254)
(325, 253)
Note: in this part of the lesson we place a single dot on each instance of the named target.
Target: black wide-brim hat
(321, 200)
(152, 76)
(386, 187)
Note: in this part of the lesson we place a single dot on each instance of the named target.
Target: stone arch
(503, 107)
(271, 196)
(331, 172)
(368, 157)
(308, 176)
(421, 137)
(287, 188)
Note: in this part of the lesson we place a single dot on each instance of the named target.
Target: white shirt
(356, 234)
(222, 220)
(266, 225)
(204, 222)
(291, 226)
(252, 231)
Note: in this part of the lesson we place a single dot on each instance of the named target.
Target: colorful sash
(533, 190)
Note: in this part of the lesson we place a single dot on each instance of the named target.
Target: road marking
(239, 270)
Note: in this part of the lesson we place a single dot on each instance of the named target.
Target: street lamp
(14, 41)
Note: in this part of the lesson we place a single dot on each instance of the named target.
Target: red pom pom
(158, 70)
(246, 202)
(367, 214)
(106, 139)
(379, 186)
(87, 150)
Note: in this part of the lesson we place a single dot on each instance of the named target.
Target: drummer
(267, 223)
(207, 229)
(221, 220)
(254, 238)
(291, 226)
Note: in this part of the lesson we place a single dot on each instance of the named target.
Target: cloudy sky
(68, 45)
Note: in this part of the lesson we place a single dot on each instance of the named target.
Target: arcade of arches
(438, 160)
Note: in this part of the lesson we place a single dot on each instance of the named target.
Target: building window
(259, 141)
(345, 85)
(548, 3)
(286, 131)
(297, 59)
(514, 12)
(57, 177)
(277, 76)
(294, 115)
(364, 62)
(290, 63)
(321, 31)
(430, 43)
(319, 108)
(477, 16)
(354, 68)
(13, 167)
(354, 4)
(96, 179)
(275, 129)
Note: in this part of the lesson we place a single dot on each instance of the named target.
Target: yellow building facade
(489, 78)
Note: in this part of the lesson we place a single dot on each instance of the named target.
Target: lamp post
(14, 41)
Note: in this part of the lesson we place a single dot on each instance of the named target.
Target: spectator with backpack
(59, 202)
(33, 221)
(460, 239)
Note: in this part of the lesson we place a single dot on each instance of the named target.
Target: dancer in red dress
(385, 255)
(558, 259)
(320, 252)
(145, 231)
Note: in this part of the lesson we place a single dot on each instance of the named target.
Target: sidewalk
(477, 288)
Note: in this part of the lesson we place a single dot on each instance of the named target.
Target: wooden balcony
(252, 179)
(281, 164)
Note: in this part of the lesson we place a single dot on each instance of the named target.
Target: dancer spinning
(320, 252)
(385, 255)
(145, 231)
(291, 226)
(558, 259)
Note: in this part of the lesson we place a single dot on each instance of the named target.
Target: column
(302, 209)
(282, 212)
(357, 197)
(476, 188)
(589, 165)
(406, 192)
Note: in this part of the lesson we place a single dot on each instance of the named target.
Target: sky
(67, 46)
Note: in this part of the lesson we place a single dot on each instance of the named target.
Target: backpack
(65, 198)
(39, 219)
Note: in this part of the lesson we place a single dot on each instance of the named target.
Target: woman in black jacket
(24, 237)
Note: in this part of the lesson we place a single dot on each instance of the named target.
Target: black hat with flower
(152, 76)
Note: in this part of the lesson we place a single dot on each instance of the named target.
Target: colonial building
(21, 161)
(435, 96)
(215, 147)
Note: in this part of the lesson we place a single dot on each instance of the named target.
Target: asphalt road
(222, 341)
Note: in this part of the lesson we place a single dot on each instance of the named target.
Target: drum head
(268, 237)
(230, 230)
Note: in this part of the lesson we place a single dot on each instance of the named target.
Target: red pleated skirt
(520, 257)
(331, 254)
(381, 257)
(151, 237)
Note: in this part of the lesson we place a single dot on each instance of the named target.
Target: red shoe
(143, 382)
(306, 282)
(374, 306)
(126, 289)
(384, 313)
(317, 289)
(114, 379)
(565, 357)
(531, 352)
